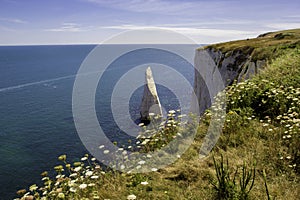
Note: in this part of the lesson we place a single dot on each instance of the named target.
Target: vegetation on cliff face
(256, 157)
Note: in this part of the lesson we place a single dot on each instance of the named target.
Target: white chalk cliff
(150, 100)
(234, 65)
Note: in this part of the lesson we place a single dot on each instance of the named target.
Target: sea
(36, 116)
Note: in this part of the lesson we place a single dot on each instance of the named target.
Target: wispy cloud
(199, 35)
(167, 7)
(145, 5)
(212, 23)
(69, 27)
(293, 16)
(13, 20)
(186, 30)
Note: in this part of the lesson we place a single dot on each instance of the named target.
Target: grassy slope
(266, 46)
(253, 132)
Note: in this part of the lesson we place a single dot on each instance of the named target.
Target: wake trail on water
(44, 81)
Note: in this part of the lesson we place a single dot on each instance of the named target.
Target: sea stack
(150, 100)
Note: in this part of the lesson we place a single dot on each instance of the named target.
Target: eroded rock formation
(150, 100)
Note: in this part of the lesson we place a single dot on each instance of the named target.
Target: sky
(33, 22)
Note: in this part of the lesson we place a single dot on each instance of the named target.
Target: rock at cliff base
(150, 100)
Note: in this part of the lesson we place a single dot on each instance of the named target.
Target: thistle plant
(225, 186)
(246, 181)
(231, 184)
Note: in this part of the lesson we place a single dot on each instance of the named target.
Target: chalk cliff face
(150, 100)
(234, 65)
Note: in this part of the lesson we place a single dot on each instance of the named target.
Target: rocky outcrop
(233, 65)
(150, 100)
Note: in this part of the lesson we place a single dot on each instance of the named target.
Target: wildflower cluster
(169, 132)
(263, 98)
(275, 106)
(160, 132)
(84, 179)
(73, 181)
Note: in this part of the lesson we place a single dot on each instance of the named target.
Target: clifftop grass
(265, 47)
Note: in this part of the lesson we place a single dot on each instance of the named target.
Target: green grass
(256, 157)
(265, 47)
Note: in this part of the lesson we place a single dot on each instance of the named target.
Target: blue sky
(92, 21)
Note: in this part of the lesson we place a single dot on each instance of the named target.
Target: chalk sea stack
(150, 100)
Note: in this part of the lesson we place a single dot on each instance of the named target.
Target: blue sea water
(36, 121)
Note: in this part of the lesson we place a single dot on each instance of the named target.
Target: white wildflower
(172, 111)
(144, 183)
(141, 162)
(131, 197)
(106, 151)
(77, 169)
(84, 158)
(60, 176)
(154, 169)
(138, 167)
(151, 114)
(89, 173)
(83, 186)
(145, 141)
